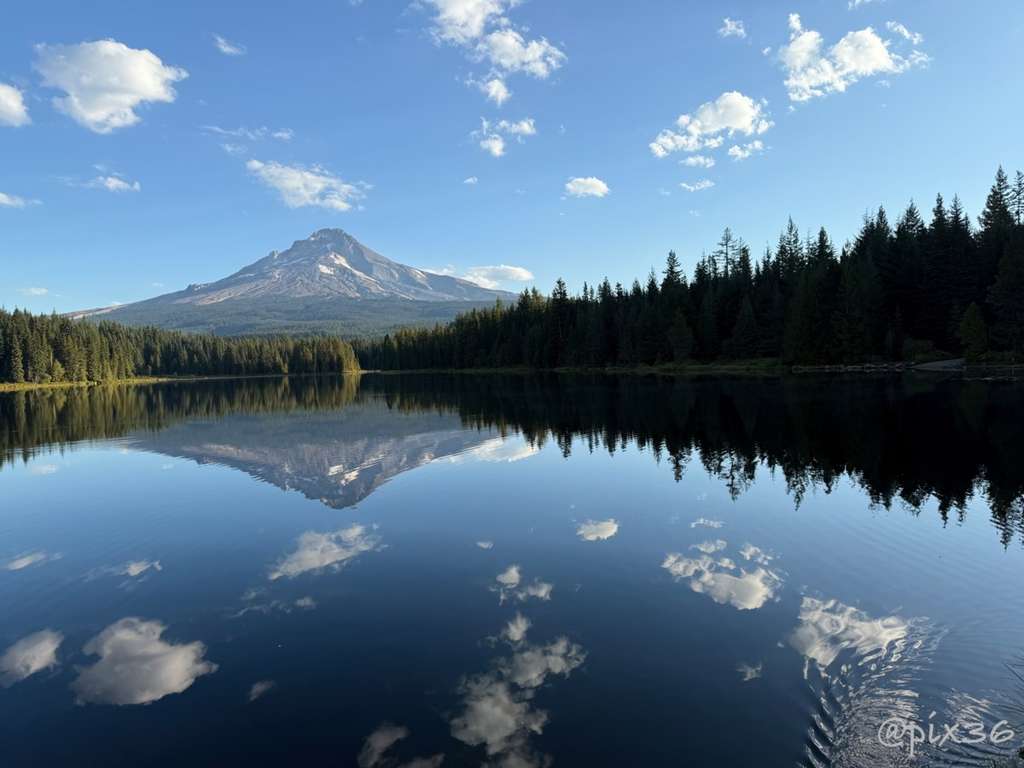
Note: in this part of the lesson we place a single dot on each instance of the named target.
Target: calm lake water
(512, 571)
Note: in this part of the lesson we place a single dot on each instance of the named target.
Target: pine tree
(1007, 299)
(680, 337)
(1017, 199)
(973, 333)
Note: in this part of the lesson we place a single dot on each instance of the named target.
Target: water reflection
(318, 551)
(34, 653)
(718, 576)
(909, 439)
(136, 666)
(680, 610)
(497, 711)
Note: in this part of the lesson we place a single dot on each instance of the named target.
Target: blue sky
(144, 146)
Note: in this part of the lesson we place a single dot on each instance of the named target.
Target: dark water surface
(512, 571)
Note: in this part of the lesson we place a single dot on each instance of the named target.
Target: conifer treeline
(51, 348)
(894, 293)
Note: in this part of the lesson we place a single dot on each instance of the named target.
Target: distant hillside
(329, 282)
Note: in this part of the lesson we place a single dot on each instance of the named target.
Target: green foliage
(802, 301)
(51, 349)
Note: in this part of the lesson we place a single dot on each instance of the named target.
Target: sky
(145, 146)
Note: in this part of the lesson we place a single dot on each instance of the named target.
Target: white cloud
(485, 544)
(32, 653)
(703, 522)
(497, 712)
(710, 547)
(743, 151)
(136, 666)
(28, 559)
(248, 134)
(482, 29)
(462, 21)
(509, 582)
(379, 742)
(598, 530)
(813, 72)
(496, 90)
(227, 47)
(13, 111)
(260, 688)
(750, 672)
(313, 186)
(136, 568)
(114, 183)
(722, 580)
(589, 186)
(518, 128)
(43, 469)
(509, 577)
(732, 28)
(509, 51)
(828, 627)
(697, 186)
(493, 276)
(13, 201)
(698, 161)
(317, 551)
(493, 145)
(105, 81)
(471, 180)
(491, 136)
(901, 30)
(515, 630)
(852, 4)
(730, 114)
(539, 589)
(749, 552)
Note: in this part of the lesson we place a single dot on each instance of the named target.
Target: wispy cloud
(308, 186)
(227, 47)
(14, 201)
(491, 136)
(697, 186)
(732, 28)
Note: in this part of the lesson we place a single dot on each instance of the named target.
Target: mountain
(327, 282)
(337, 457)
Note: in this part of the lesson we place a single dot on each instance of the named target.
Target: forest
(908, 291)
(42, 349)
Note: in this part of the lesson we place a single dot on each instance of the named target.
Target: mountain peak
(331, 233)
(330, 264)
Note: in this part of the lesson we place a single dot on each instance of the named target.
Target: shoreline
(6, 387)
(762, 367)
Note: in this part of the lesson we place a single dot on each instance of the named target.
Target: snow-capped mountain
(327, 279)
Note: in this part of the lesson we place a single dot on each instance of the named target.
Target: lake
(513, 571)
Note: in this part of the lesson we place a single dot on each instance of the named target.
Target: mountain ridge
(317, 284)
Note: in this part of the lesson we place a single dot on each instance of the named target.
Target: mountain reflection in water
(906, 439)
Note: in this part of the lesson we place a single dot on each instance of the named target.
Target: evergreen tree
(973, 333)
